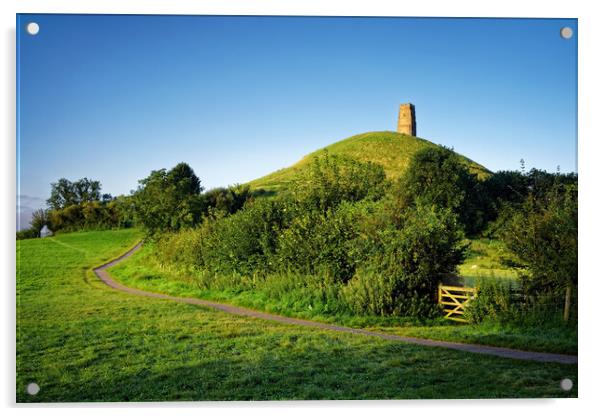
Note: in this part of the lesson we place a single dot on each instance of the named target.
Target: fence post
(439, 294)
(567, 303)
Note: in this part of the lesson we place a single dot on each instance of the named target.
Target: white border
(590, 114)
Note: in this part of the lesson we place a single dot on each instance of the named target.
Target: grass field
(486, 259)
(82, 341)
(391, 150)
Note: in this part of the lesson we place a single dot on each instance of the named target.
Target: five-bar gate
(454, 299)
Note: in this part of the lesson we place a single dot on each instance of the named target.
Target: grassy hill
(391, 150)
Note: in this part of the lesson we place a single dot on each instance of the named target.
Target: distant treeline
(165, 200)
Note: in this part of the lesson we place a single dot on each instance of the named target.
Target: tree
(39, 218)
(169, 200)
(65, 193)
(543, 235)
(437, 176)
(226, 200)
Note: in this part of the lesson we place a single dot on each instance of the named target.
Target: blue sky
(114, 97)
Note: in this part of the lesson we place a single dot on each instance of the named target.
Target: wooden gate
(454, 299)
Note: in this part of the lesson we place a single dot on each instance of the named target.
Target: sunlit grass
(82, 341)
(391, 150)
(487, 259)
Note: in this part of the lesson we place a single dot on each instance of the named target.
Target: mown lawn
(82, 341)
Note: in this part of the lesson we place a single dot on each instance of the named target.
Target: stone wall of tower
(406, 123)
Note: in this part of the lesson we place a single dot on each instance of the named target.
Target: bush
(322, 242)
(245, 241)
(27, 233)
(226, 200)
(495, 301)
(542, 233)
(401, 275)
(341, 245)
(183, 248)
(499, 302)
(70, 218)
(332, 179)
(437, 176)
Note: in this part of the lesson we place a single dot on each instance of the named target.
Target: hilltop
(391, 150)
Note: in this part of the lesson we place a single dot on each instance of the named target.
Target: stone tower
(406, 123)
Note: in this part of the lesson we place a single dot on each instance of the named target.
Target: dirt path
(102, 273)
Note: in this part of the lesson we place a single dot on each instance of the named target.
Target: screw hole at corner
(33, 28)
(566, 384)
(566, 32)
(33, 389)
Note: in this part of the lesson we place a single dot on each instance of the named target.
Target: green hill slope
(391, 150)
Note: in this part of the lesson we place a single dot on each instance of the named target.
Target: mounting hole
(566, 384)
(566, 32)
(33, 28)
(33, 389)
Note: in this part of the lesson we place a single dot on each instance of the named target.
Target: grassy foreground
(82, 341)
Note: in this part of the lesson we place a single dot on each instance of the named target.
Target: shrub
(226, 200)
(542, 233)
(182, 249)
(245, 241)
(27, 233)
(322, 242)
(437, 176)
(499, 302)
(494, 302)
(70, 218)
(400, 276)
(332, 179)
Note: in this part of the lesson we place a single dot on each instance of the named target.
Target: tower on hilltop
(406, 123)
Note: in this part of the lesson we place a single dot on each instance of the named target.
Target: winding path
(102, 273)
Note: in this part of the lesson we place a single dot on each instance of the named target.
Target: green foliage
(226, 200)
(244, 242)
(500, 302)
(39, 218)
(169, 200)
(511, 189)
(401, 276)
(65, 193)
(542, 233)
(93, 215)
(78, 206)
(537, 223)
(27, 233)
(324, 243)
(125, 206)
(495, 301)
(337, 231)
(437, 176)
(331, 179)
